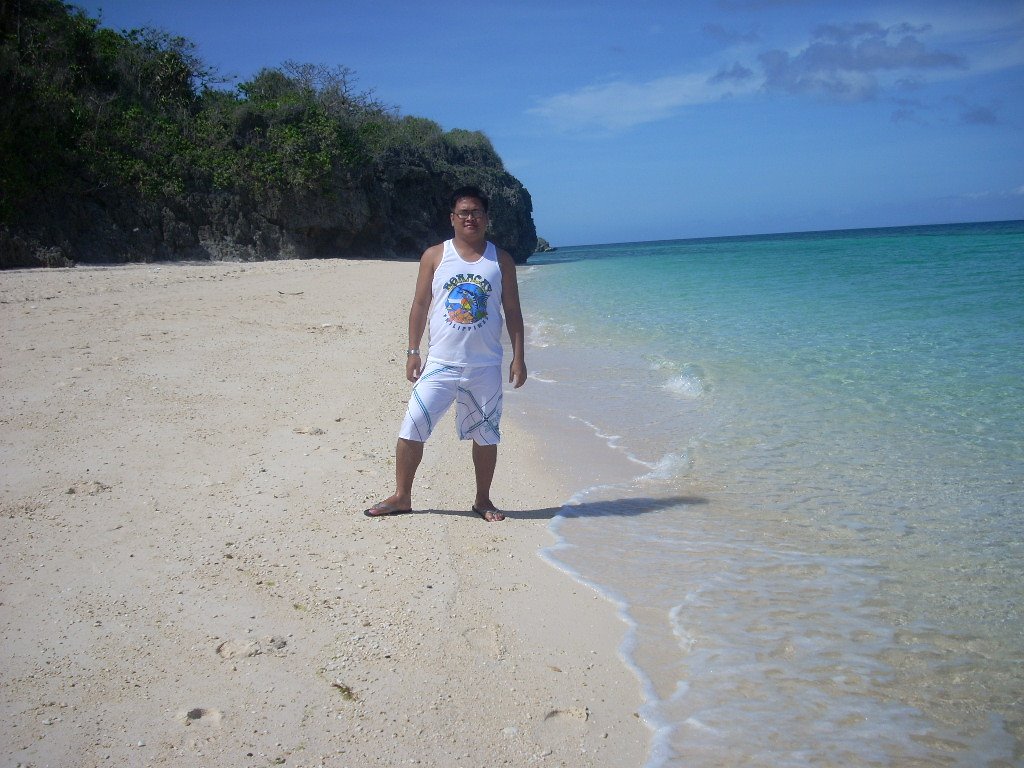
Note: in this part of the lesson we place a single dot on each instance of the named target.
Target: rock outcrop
(115, 147)
(395, 214)
(543, 246)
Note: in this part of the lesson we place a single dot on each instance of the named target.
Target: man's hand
(413, 367)
(517, 373)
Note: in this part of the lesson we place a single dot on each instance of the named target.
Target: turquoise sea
(799, 473)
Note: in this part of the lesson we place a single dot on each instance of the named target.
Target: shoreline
(817, 501)
(187, 451)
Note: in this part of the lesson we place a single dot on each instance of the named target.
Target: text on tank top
(465, 316)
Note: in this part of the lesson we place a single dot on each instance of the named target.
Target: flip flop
(386, 511)
(484, 512)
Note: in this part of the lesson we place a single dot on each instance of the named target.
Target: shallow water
(806, 487)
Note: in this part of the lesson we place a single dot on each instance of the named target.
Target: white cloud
(836, 62)
(619, 105)
(845, 62)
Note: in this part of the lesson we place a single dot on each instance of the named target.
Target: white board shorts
(476, 392)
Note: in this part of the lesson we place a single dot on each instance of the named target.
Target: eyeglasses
(476, 213)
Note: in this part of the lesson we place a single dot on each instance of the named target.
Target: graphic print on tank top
(466, 301)
(465, 309)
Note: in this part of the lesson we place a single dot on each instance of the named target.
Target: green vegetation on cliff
(120, 147)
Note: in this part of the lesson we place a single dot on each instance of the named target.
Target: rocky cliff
(393, 214)
(120, 146)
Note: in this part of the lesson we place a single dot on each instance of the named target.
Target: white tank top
(465, 316)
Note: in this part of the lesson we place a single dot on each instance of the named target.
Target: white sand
(187, 576)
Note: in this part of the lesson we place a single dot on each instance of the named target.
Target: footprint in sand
(484, 640)
(563, 722)
(88, 488)
(20, 509)
(234, 649)
(203, 715)
(580, 714)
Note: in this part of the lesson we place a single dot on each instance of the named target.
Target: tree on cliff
(119, 146)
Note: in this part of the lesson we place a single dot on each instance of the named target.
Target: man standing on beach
(464, 285)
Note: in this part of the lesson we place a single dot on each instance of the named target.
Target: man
(463, 286)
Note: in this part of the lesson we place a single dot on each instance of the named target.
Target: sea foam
(685, 385)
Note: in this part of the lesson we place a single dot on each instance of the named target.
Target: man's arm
(513, 319)
(420, 308)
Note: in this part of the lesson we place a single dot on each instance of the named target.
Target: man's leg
(430, 399)
(485, 459)
(408, 454)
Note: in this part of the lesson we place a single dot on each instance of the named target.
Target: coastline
(784, 401)
(187, 449)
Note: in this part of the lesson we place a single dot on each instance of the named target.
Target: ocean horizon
(798, 475)
(865, 231)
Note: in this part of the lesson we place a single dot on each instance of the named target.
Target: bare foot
(385, 508)
(491, 515)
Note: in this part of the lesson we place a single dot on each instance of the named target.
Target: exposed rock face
(396, 212)
(543, 246)
(110, 151)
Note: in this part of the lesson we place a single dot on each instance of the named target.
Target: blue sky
(631, 121)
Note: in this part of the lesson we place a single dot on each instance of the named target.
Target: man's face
(469, 217)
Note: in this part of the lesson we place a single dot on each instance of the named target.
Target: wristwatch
(411, 352)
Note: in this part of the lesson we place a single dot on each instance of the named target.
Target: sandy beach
(187, 576)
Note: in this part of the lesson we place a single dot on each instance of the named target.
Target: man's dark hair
(462, 192)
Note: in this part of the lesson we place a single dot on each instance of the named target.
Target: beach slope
(187, 576)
